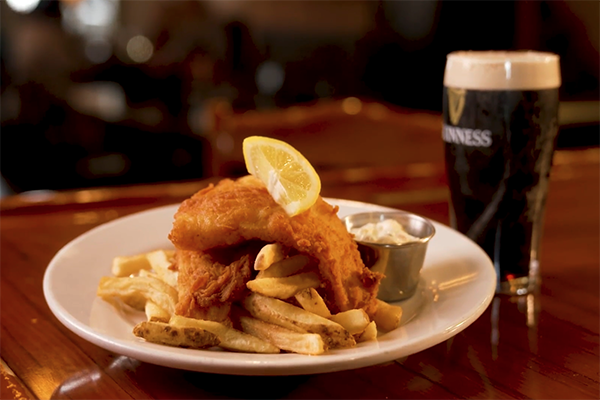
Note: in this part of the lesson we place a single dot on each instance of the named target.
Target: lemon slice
(288, 176)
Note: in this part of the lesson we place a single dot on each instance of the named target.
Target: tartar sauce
(388, 231)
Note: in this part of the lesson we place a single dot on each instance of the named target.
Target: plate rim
(324, 363)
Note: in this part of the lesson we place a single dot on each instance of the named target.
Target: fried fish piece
(233, 212)
(208, 282)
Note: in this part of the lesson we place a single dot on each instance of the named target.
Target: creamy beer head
(502, 70)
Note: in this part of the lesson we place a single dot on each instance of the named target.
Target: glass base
(519, 286)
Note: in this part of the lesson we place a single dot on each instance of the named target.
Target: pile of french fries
(283, 310)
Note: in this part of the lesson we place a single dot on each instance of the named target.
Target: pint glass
(500, 125)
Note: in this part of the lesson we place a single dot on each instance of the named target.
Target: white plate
(457, 285)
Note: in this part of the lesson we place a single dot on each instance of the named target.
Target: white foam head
(502, 70)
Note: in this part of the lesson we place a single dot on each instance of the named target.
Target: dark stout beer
(500, 126)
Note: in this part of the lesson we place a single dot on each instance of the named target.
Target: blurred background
(109, 92)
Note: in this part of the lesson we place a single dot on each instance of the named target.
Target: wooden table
(537, 347)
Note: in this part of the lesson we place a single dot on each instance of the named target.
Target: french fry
(370, 333)
(129, 265)
(297, 319)
(285, 339)
(160, 261)
(147, 273)
(286, 267)
(354, 321)
(161, 333)
(284, 288)
(268, 255)
(312, 301)
(156, 313)
(230, 339)
(135, 291)
(387, 317)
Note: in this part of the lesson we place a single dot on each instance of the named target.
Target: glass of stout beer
(500, 125)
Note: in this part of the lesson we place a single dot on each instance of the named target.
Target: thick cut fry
(129, 265)
(161, 333)
(284, 288)
(387, 316)
(146, 273)
(297, 319)
(135, 291)
(312, 301)
(286, 267)
(231, 339)
(285, 339)
(160, 261)
(354, 321)
(269, 254)
(370, 333)
(156, 313)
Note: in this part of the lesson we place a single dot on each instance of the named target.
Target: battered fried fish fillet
(210, 281)
(233, 212)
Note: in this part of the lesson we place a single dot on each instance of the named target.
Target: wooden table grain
(537, 346)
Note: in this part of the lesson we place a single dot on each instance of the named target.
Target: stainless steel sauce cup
(401, 264)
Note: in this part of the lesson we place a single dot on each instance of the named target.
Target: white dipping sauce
(388, 231)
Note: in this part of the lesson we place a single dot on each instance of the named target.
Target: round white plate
(457, 285)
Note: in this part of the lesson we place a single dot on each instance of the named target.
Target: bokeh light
(351, 105)
(269, 77)
(140, 49)
(23, 6)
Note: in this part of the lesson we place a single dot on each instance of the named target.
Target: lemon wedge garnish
(289, 177)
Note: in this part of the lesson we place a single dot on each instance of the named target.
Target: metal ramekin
(401, 264)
